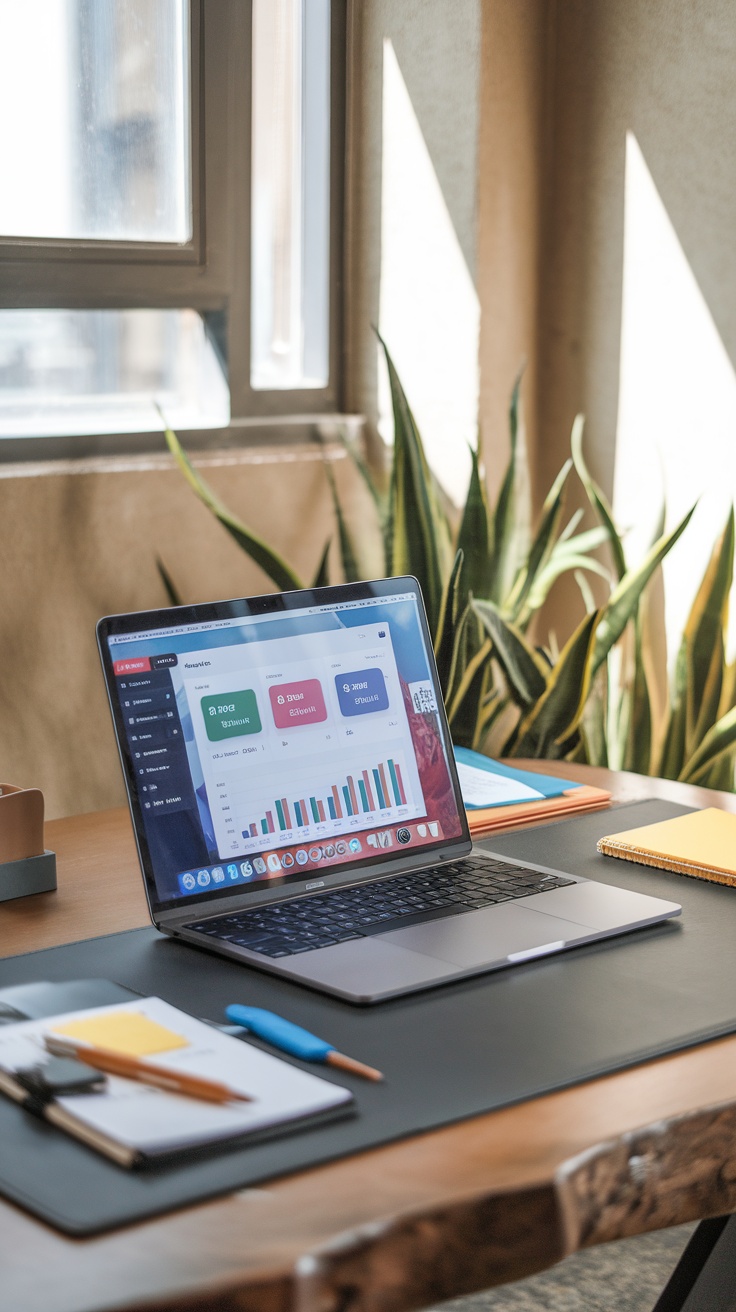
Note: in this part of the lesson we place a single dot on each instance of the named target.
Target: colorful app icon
(246, 869)
(301, 857)
(218, 874)
(315, 854)
(259, 865)
(188, 881)
(341, 848)
(287, 860)
(403, 835)
(232, 870)
(355, 845)
(273, 862)
(329, 850)
(203, 878)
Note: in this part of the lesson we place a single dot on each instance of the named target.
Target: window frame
(209, 273)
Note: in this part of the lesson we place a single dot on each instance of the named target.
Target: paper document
(482, 788)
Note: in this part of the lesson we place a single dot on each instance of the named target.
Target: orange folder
(575, 801)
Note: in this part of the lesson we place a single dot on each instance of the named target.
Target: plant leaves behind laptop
(494, 554)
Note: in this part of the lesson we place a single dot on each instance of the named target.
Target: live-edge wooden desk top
(400, 1227)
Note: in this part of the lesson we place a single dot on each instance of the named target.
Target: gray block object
(33, 874)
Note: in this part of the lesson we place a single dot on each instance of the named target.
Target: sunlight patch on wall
(429, 313)
(677, 400)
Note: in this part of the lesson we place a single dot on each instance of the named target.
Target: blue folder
(546, 784)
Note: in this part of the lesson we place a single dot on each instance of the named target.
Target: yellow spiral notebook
(701, 844)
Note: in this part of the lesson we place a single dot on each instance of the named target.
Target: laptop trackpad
(487, 935)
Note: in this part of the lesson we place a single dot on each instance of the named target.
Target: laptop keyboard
(321, 920)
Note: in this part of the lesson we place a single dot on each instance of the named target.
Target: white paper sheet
(482, 788)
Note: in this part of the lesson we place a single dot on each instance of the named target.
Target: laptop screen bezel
(252, 608)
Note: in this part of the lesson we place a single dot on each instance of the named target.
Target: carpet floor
(627, 1276)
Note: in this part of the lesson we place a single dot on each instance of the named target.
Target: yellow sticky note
(129, 1032)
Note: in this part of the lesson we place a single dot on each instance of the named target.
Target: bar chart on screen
(302, 740)
(376, 792)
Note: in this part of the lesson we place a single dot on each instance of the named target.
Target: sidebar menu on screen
(160, 764)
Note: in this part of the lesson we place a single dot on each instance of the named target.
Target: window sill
(244, 441)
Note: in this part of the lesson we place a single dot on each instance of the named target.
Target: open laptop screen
(276, 737)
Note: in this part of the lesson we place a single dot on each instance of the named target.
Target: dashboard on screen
(264, 747)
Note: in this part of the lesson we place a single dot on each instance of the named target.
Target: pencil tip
(354, 1067)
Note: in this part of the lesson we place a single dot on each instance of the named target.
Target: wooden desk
(401, 1227)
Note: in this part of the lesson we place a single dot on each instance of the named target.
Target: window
(170, 217)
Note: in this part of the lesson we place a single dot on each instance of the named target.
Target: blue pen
(295, 1040)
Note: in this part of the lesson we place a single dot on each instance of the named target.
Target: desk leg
(704, 1279)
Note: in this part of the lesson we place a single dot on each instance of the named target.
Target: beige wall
(435, 45)
(514, 92)
(665, 70)
(79, 540)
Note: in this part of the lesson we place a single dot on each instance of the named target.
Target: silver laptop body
(296, 804)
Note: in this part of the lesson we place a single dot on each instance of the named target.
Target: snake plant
(486, 577)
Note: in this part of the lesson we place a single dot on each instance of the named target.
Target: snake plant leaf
(447, 626)
(269, 561)
(728, 688)
(586, 592)
(418, 537)
(377, 494)
(348, 558)
(459, 652)
(470, 669)
(465, 708)
(172, 592)
(544, 540)
(703, 636)
(635, 730)
(719, 740)
(593, 723)
(721, 774)
(711, 698)
(475, 534)
(596, 496)
(571, 525)
(549, 725)
(624, 599)
(322, 577)
(492, 707)
(672, 755)
(559, 563)
(523, 667)
(581, 543)
(512, 519)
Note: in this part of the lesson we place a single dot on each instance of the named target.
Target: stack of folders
(133, 1122)
(500, 797)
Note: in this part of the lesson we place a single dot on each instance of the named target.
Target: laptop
(296, 803)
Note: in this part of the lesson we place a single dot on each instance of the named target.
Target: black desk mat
(448, 1053)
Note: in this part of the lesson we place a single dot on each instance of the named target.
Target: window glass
(95, 371)
(94, 96)
(290, 193)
